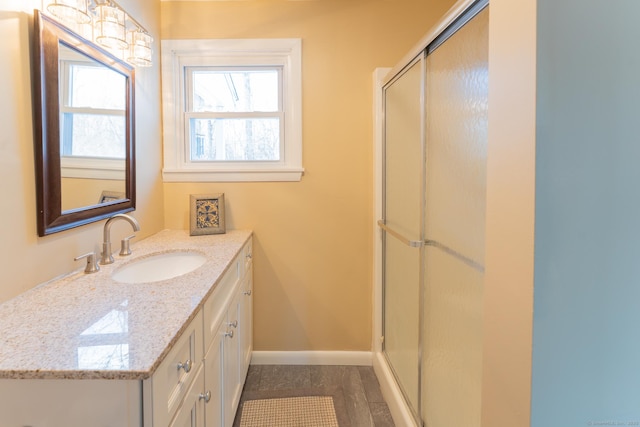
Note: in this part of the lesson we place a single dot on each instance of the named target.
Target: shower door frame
(420, 59)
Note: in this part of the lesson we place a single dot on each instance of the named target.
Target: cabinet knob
(249, 256)
(229, 334)
(206, 396)
(233, 324)
(186, 365)
(247, 293)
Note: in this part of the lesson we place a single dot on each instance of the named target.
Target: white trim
(378, 135)
(92, 168)
(178, 54)
(178, 175)
(400, 412)
(353, 358)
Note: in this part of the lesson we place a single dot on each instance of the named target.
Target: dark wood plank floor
(355, 390)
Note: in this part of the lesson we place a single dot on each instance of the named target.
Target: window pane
(235, 139)
(93, 135)
(109, 93)
(235, 91)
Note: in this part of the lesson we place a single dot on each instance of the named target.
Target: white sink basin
(159, 267)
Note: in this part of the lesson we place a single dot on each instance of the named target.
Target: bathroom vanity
(87, 350)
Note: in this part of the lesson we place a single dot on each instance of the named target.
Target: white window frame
(179, 54)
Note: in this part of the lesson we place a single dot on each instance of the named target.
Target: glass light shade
(110, 28)
(139, 49)
(74, 11)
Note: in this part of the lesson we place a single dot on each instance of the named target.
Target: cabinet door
(213, 379)
(231, 361)
(191, 412)
(246, 323)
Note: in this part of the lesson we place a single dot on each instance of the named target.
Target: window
(232, 110)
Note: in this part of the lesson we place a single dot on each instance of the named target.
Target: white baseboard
(400, 412)
(360, 358)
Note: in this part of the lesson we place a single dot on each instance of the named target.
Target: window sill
(92, 168)
(262, 175)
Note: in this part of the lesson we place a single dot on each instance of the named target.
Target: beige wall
(508, 285)
(313, 240)
(26, 259)
(78, 192)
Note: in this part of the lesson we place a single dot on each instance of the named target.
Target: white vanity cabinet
(197, 383)
(228, 333)
(224, 344)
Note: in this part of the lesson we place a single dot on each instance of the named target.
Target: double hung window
(232, 110)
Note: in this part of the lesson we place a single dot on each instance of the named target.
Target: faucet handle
(92, 262)
(125, 248)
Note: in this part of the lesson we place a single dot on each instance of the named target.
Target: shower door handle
(408, 242)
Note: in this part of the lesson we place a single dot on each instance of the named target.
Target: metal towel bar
(408, 242)
(433, 243)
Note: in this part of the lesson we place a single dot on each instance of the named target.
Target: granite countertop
(87, 326)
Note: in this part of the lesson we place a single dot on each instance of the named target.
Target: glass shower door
(435, 152)
(403, 224)
(456, 153)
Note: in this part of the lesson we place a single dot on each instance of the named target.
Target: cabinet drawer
(191, 412)
(175, 374)
(216, 304)
(248, 255)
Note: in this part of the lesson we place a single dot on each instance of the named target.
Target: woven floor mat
(335, 396)
(304, 411)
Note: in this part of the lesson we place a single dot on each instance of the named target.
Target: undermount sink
(158, 267)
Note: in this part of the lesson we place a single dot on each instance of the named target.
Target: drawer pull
(249, 256)
(229, 334)
(206, 396)
(233, 324)
(186, 365)
(247, 293)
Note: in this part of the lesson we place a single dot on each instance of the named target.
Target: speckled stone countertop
(87, 326)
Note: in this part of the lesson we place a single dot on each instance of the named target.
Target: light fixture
(139, 48)
(106, 23)
(109, 29)
(74, 11)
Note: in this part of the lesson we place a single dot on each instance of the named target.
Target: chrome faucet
(107, 257)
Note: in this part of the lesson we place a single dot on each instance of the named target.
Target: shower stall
(431, 220)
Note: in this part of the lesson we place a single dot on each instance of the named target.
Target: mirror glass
(92, 130)
(83, 99)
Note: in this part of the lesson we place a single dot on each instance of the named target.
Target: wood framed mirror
(83, 128)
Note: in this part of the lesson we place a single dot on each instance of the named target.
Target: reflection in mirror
(92, 129)
(84, 129)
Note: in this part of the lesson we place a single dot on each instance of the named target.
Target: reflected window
(114, 322)
(92, 108)
(104, 344)
(104, 357)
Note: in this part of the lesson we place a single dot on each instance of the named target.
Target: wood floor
(355, 390)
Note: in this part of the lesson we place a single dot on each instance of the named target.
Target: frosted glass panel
(452, 361)
(403, 153)
(403, 213)
(456, 105)
(402, 298)
(456, 141)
